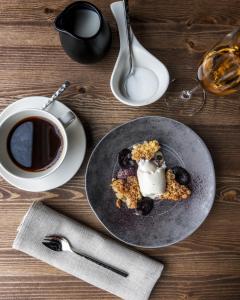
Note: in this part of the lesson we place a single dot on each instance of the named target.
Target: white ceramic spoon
(151, 77)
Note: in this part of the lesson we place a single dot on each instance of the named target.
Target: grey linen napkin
(41, 220)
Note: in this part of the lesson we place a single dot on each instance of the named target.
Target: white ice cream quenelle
(151, 178)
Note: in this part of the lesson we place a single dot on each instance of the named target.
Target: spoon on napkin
(59, 243)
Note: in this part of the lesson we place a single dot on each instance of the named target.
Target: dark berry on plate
(144, 206)
(181, 175)
(158, 158)
(118, 203)
(124, 173)
(125, 159)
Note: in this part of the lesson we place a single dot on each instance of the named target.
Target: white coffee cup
(10, 121)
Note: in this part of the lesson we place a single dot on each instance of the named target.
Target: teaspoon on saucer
(57, 94)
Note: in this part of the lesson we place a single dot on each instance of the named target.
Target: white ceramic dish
(142, 59)
(74, 156)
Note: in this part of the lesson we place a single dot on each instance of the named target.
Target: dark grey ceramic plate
(168, 222)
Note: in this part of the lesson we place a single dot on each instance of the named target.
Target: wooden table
(205, 265)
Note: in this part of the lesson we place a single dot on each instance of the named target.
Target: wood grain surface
(206, 266)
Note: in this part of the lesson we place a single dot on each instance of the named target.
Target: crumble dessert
(127, 190)
(143, 178)
(146, 151)
(174, 190)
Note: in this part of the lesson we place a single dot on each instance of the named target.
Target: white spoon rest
(155, 75)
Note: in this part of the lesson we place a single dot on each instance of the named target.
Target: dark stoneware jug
(84, 34)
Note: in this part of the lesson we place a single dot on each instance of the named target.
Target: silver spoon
(129, 39)
(57, 94)
(59, 243)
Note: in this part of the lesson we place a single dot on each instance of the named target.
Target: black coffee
(34, 144)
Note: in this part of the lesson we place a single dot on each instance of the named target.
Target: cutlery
(60, 243)
(135, 64)
(57, 93)
(129, 42)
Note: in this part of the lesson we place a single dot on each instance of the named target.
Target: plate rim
(214, 183)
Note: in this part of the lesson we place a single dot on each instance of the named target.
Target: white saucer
(74, 156)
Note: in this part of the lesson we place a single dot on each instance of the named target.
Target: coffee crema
(34, 144)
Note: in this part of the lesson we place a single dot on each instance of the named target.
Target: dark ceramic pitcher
(84, 34)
